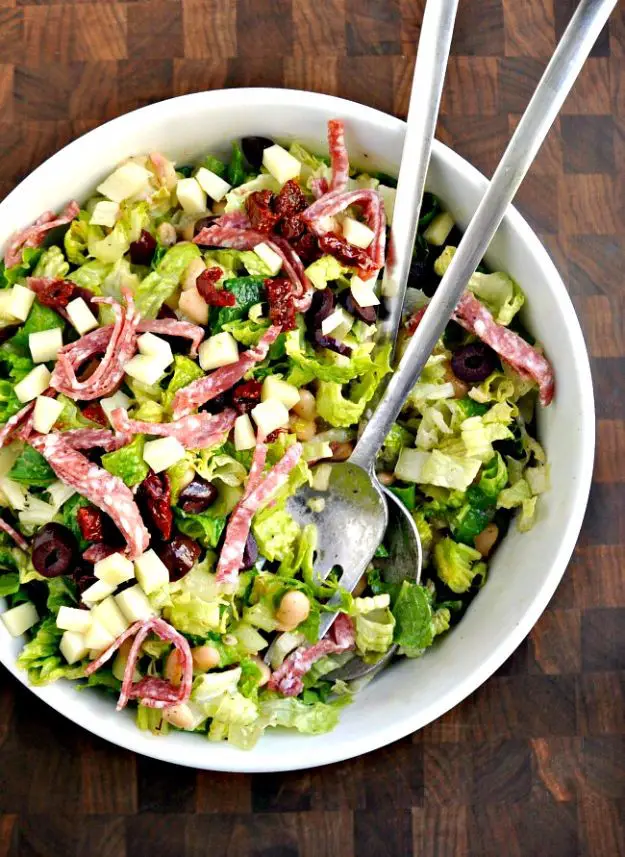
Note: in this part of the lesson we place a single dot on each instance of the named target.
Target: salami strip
(338, 155)
(13, 424)
(34, 235)
(234, 220)
(204, 389)
(18, 538)
(101, 488)
(524, 359)
(91, 438)
(196, 431)
(172, 327)
(319, 187)
(287, 679)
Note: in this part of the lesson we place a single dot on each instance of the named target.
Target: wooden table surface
(533, 763)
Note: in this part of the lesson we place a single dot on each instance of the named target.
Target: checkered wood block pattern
(534, 762)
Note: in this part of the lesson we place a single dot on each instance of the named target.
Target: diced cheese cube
(270, 415)
(37, 380)
(210, 182)
(135, 604)
(21, 618)
(219, 350)
(328, 223)
(193, 305)
(107, 613)
(45, 344)
(104, 213)
(439, 228)
(46, 413)
(151, 572)
(73, 647)
(191, 196)
(156, 347)
(321, 477)
(20, 302)
(98, 638)
(357, 233)
(145, 369)
(276, 388)
(14, 492)
(363, 292)
(163, 453)
(73, 619)
(97, 592)
(388, 195)
(6, 295)
(244, 434)
(114, 569)
(335, 320)
(281, 164)
(81, 316)
(126, 181)
(269, 257)
(117, 400)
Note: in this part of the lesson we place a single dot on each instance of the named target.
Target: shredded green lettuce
(52, 263)
(127, 462)
(206, 527)
(159, 285)
(455, 564)
(41, 656)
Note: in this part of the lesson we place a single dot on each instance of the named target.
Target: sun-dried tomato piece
(94, 412)
(307, 247)
(281, 302)
(57, 294)
(291, 227)
(260, 211)
(154, 495)
(290, 200)
(90, 521)
(205, 284)
(246, 396)
(345, 252)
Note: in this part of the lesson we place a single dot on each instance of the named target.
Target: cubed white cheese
(114, 569)
(6, 315)
(163, 453)
(191, 196)
(151, 572)
(73, 619)
(281, 164)
(193, 305)
(117, 400)
(156, 347)
(336, 319)
(45, 344)
(46, 413)
(14, 492)
(126, 181)
(363, 292)
(135, 604)
(98, 638)
(21, 618)
(328, 223)
(270, 415)
(81, 316)
(104, 213)
(218, 350)
(20, 302)
(269, 257)
(244, 434)
(73, 647)
(210, 182)
(107, 613)
(357, 233)
(276, 388)
(147, 370)
(33, 385)
(388, 195)
(97, 592)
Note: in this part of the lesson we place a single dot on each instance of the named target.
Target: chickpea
(306, 408)
(173, 668)
(293, 610)
(386, 478)
(341, 451)
(187, 232)
(192, 272)
(179, 716)
(166, 234)
(205, 658)
(485, 541)
(304, 429)
(360, 586)
(265, 672)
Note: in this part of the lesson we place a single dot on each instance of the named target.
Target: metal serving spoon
(354, 515)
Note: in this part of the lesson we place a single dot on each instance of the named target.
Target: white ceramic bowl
(526, 569)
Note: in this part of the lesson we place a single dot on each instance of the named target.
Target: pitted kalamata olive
(331, 343)
(142, 250)
(253, 148)
(179, 555)
(197, 496)
(54, 550)
(473, 363)
(367, 314)
(250, 554)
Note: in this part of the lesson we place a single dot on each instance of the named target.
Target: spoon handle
(555, 84)
(425, 98)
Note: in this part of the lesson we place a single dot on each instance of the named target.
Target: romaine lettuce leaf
(31, 468)
(14, 367)
(246, 331)
(374, 630)
(193, 615)
(276, 533)
(52, 263)
(127, 462)
(499, 293)
(413, 619)
(39, 318)
(17, 273)
(206, 527)
(76, 238)
(154, 289)
(247, 291)
(325, 270)
(455, 564)
(185, 371)
(41, 656)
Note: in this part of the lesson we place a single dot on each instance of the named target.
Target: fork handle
(555, 84)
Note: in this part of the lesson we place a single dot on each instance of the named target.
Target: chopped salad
(180, 354)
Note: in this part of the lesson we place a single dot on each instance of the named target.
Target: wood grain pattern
(533, 763)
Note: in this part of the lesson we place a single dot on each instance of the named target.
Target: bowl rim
(323, 753)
